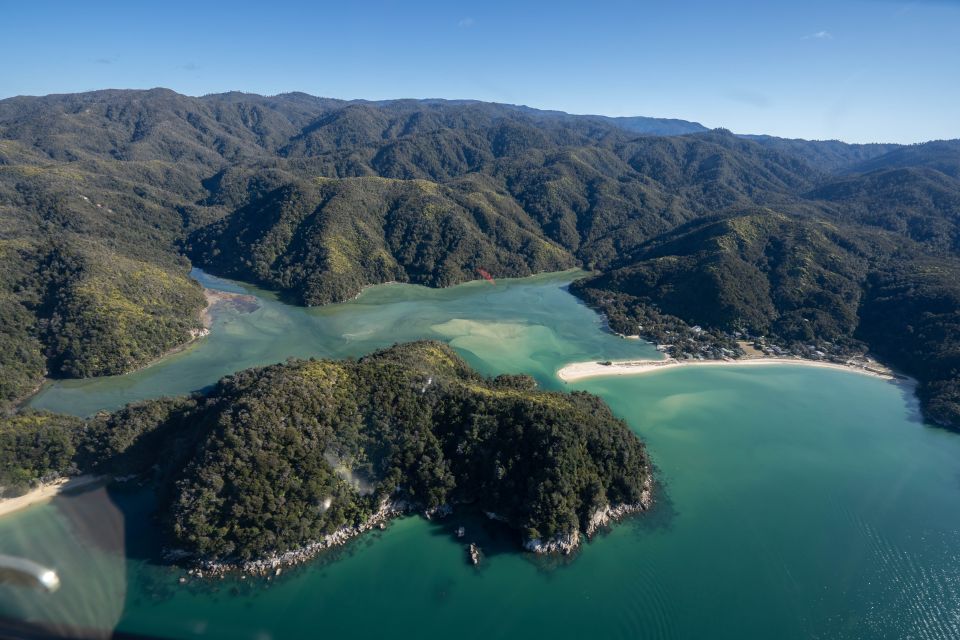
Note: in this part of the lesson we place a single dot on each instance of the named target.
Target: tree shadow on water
(493, 537)
(141, 540)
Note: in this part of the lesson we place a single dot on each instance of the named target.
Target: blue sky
(874, 70)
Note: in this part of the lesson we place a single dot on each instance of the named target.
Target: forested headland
(274, 459)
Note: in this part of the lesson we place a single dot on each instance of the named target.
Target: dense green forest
(814, 287)
(274, 458)
(37, 446)
(695, 235)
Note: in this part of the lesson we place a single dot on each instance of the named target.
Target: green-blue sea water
(792, 502)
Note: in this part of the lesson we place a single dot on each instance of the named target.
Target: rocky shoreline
(568, 543)
(565, 543)
(274, 564)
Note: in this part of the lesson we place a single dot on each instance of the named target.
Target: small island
(275, 464)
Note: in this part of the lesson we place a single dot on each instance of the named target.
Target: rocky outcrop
(441, 511)
(606, 515)
(611, 513)
(473, 552)
(568, 542)
(565, 543)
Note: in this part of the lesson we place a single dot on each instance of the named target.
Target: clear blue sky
(875, 70)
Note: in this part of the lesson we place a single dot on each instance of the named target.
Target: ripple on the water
(650, 611)
(920, 596)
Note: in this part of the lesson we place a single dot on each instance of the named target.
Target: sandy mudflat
(581, 370)
(45, 492)
(241, 301)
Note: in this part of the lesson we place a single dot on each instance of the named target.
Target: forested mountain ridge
(939, 155)
(317, 198)
(918, 202)
(306, 238)
(589, 203)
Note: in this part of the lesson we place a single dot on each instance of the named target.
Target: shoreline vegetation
(273, 564)
(352, 444)
(583, 370)
(214, 298)
(47, 491)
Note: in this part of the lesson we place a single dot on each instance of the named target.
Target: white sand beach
(46, 492)
(581, 370)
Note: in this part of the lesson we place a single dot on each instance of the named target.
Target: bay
(792, 502)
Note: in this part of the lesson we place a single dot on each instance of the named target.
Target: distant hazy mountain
(828, 155)
(939, 155)
(656, 126)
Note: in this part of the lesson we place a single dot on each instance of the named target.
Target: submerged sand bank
(581, 370)
(241, 301)
(46, 492)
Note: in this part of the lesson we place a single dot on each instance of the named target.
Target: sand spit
(582, 370)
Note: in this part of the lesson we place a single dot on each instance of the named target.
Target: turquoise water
(793, 502)
(527, 325)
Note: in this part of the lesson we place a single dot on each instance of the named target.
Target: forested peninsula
(276, 463)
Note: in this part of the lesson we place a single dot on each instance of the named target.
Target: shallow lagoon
(794, 502)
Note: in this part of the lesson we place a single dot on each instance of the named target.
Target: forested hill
(106, 197)
(276, 458)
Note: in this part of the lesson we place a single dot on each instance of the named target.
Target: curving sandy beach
(581, 370)
(45, 492)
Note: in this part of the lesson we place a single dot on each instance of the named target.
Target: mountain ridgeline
(697, 237)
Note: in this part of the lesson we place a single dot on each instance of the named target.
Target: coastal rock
(565, 543)
(438, 512)
(611, 513)
(271, 565)
(473, 552)
(568, 542)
